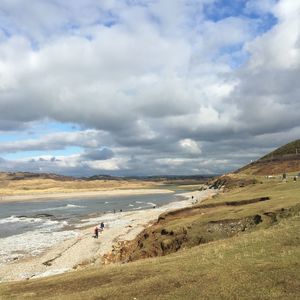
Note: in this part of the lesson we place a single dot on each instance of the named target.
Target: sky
(146, 87)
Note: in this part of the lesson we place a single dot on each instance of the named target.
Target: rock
(166, 244)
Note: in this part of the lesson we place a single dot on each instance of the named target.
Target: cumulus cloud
(190, 146)
(155, 86)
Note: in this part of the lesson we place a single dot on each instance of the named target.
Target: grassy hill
(288, 149)
(285, 159)
(25, 183)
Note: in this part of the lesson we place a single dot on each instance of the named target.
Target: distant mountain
(285, 159)
(29, 175)
(167, 178)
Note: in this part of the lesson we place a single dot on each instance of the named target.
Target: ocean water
(28, 228)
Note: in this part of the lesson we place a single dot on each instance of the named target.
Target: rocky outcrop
(229, 182)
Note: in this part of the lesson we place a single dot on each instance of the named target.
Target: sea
(29, 228)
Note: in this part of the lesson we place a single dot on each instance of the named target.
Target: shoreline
(84, 250)
(81, 194)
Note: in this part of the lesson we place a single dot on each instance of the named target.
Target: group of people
(98, 229)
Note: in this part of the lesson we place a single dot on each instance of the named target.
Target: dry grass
(260, 265)
(39, 186)
(279, 167)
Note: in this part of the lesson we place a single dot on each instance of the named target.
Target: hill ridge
(284, 159)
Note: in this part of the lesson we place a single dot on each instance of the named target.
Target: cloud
(155, 86)
(267, 94)
(98, 154)
(57, 141)
(190, 146)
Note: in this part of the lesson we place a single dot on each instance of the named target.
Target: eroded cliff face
(167, 236)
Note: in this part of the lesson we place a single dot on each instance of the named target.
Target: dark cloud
(98, 154)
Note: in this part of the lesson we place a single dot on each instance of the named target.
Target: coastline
(81, 194)
(84, 250)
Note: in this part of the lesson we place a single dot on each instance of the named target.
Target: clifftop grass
(260, 265)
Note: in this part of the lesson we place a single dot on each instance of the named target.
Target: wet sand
(84, 250)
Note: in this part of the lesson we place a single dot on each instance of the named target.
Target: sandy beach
(80, 195)
(83, 250)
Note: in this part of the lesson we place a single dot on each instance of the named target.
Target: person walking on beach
(96, 232)
(102, 226)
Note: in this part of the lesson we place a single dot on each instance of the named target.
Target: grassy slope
(261, 264)
(283, 160)
(193, 226)
(289, 148)
(272, 168)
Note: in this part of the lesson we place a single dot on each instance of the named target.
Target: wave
(16, 219)
(140, 207)
(139, 202)
(74, 206)
(131, 205)
(151, 204)
(34, 222)
(22, 236)
(67, 206)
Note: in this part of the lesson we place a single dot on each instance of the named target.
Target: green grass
(282, 195)
(257, 264)
(264, 264)
(290, 148)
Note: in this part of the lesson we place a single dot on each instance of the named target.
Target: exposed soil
(159, 239)
(229, 182)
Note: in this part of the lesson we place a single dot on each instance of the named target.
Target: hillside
(26, 183)
(29, 184)
(290, 149)
(285, 159)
